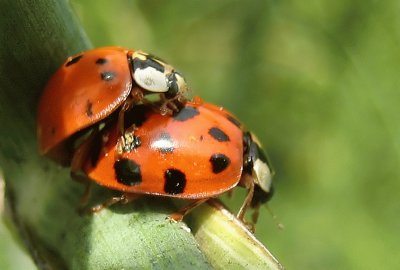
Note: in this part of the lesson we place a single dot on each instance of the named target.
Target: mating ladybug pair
(95, 117)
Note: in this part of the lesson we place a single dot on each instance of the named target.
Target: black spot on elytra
(234, 121)
(175, 181)
(186, 113)
(53, 130)
(136, 116)
(89, 108)
(219, 162)
(218, 134)
(74, 60)
(127, 172)
(101, 61)
(164, 143)
(107, 75)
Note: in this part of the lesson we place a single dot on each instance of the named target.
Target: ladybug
(197, 153)
(91, 86)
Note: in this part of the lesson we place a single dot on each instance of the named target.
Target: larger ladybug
(198, 153)
(92, 85)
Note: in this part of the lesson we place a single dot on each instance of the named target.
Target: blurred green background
(318, 82)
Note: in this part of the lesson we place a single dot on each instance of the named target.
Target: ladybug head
(257, 165)
(155, 76)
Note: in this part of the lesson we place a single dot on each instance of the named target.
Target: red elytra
(90, 86)
(76, 96)
(198, 153)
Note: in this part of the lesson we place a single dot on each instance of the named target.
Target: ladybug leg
(121, 115)
(178, 216)
(80, 156)
(136, 96)
(124, 199)
(86, 195)
(248, 182)
(254, 216)
(169, 106)
(163, 108)
(170, 103)
(128, 141)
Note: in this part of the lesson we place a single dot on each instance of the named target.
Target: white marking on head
(151, 79)
(263, 175)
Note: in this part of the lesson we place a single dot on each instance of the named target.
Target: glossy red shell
(87, 88)
(192, 145)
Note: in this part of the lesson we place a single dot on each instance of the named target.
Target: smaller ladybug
(92, 86)
(198, 153)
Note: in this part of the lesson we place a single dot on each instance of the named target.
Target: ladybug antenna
(278, 224)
